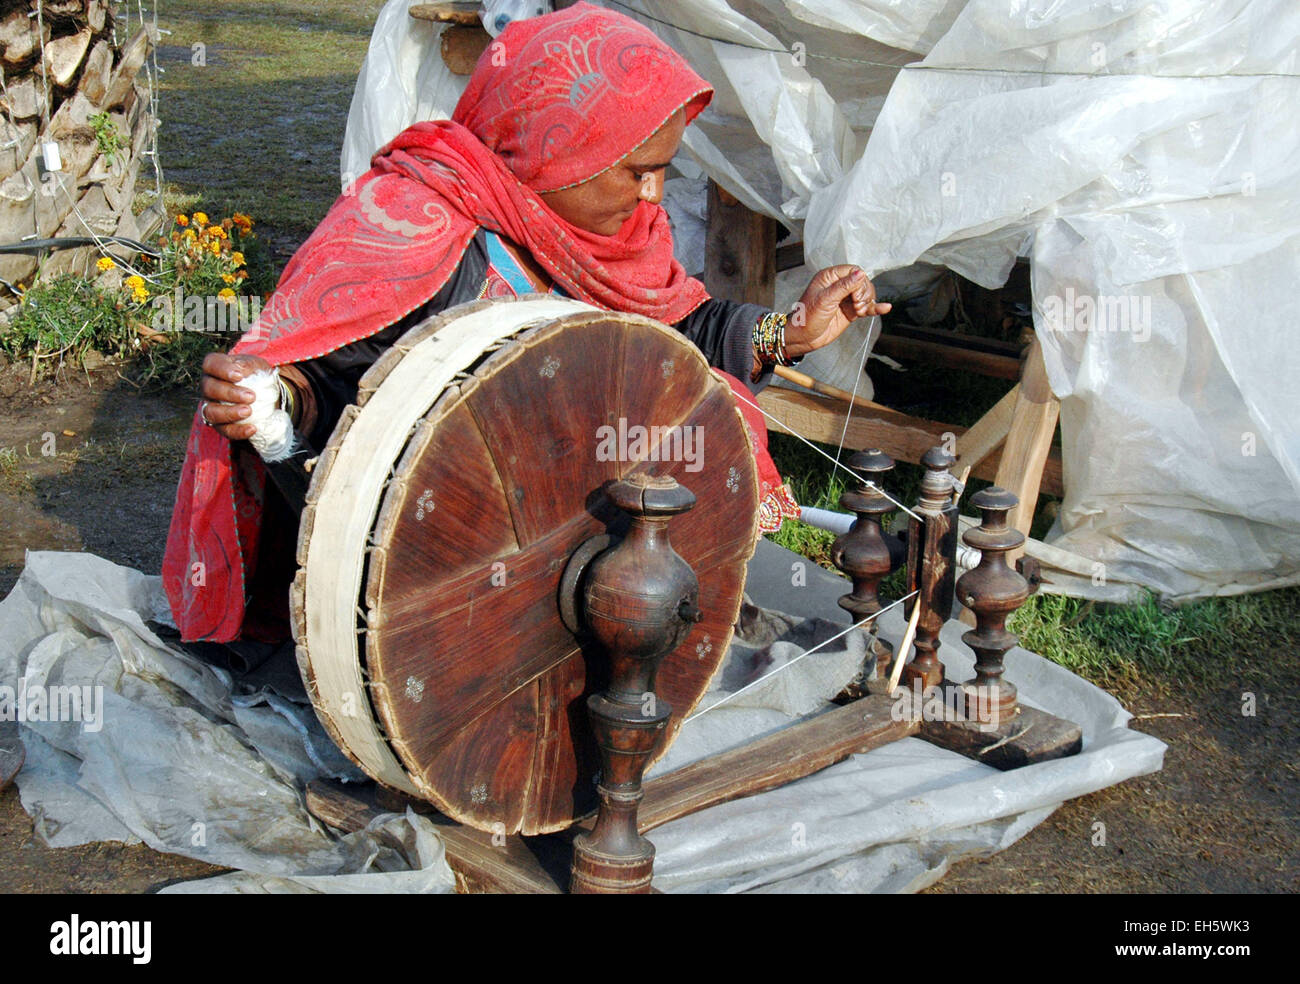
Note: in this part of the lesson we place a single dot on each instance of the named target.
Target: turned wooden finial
(992, 590)
(932, 564)
(639, 602)
(866, 553)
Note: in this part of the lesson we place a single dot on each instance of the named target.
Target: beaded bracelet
(769, 340)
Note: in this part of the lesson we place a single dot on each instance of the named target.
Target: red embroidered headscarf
(553, 101)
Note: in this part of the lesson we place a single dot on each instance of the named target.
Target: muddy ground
(1220, 817)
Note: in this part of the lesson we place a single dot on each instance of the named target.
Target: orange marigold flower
(181, 220)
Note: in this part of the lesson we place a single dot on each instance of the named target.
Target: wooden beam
(790, 754)
(987, 434)
(1028, 445)
(462, 45)
(821, 418)
(948, 356)
(739, 251)
(483, 862)
(451, 13)
(959, 339)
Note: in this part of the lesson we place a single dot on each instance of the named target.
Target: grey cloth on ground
(189, 767)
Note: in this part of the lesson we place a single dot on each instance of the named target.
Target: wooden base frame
(496, 863)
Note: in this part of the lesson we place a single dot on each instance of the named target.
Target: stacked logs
(61, 69)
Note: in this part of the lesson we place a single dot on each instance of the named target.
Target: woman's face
(602, 204)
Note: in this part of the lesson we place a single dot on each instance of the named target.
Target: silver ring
(203, 413)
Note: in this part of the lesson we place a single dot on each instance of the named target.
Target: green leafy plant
(62, 319)
(110, 140)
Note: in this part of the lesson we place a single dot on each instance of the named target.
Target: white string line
(809, 652)
(853, 397)
(856, 476)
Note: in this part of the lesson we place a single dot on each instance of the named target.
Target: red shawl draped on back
(553, 101)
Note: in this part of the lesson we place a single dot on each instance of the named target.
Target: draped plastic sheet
(177, 765)
(1142, 155)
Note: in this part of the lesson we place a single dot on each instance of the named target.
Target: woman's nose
(652, 187)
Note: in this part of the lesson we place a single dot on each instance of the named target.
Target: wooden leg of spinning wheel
(614, 857)
(639, 602)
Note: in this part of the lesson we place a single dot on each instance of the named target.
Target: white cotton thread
(274, 438)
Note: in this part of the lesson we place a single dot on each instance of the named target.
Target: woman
(547, 178)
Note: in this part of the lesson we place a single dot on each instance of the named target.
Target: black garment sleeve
(334, 377)
(724, 332)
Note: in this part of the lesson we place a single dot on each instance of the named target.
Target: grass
(13, 476)
(238, 133)
(1126, 647)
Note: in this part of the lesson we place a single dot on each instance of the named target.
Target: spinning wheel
(483, 454)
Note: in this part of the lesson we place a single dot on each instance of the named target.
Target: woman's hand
(225, 404)
(835, 297)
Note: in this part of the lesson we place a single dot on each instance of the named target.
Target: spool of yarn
(274, 438)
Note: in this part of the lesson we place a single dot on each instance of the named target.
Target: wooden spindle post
(639, 602)
(866, 553)
(992, 590)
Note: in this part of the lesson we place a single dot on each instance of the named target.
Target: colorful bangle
(769, 340)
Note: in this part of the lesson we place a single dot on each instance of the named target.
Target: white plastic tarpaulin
(1142, 154)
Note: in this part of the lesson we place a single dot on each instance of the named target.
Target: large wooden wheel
(439, 522)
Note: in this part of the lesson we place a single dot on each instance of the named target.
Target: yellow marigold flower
(189, 234)
(238, 257)
(216, 232)
(215, 247)
(104, 263)
(228, 278)
(226, 294)
(140, 294)
(200, 218)
(134, 282)
(181, 220)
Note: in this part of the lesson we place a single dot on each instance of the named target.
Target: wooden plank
(1029, 443)
(483, 862)
(791, 754)
(958, 339)
(821, 418)
(739, 251)
(453, 13)
(986, 434)
(1029, 737)
(462, 45)
(948, 356)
